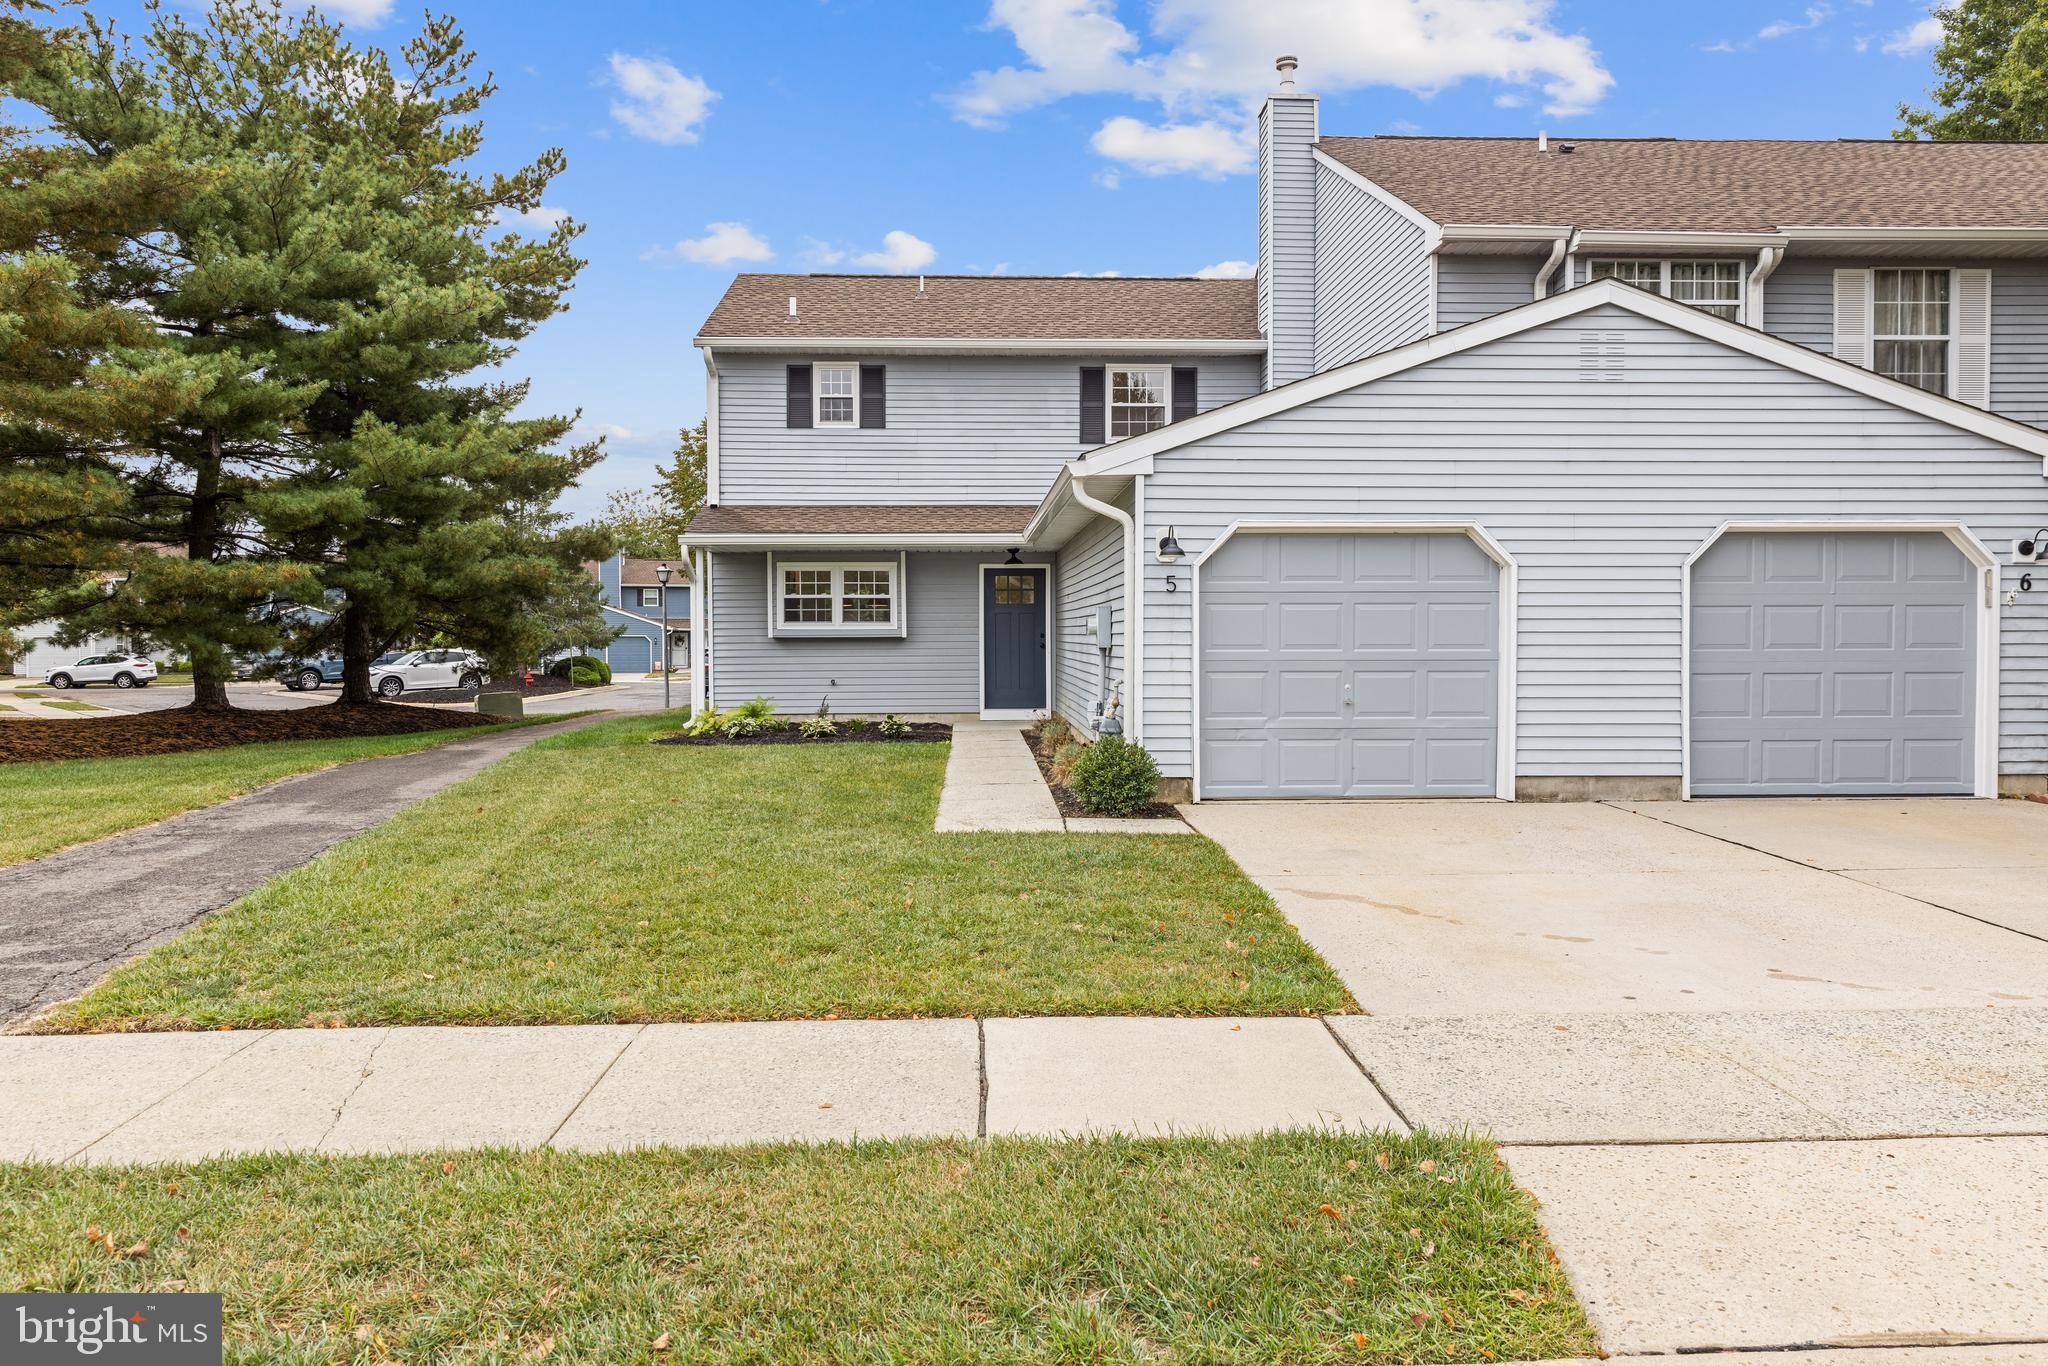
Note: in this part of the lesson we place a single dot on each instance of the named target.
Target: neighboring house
(1590, 468)
(40, 653)
(633, 603)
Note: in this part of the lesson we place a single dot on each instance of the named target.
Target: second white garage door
(1349, 665)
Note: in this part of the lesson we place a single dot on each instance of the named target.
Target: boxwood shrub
(1114, 777)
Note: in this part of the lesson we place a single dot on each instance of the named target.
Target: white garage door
(1836, 663)
(1349, 665)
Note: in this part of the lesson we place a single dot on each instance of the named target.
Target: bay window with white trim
(863, 598)
(1710, 286)
(1911, 328)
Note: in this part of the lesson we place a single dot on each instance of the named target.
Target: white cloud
(658, 102)
(1510, 100)
(1723, 46)
(540, 219)
(1228, 270)
(900, 251)
(1207, 63)
(357, 11)
(1207, 149)
(1924, 36)
(1091, 274)
(589, 431)
(721, 245)
(1108, 178)
(1816, 15)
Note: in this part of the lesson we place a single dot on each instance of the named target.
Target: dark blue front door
(1013, 639)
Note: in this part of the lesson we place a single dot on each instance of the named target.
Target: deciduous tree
(1992, 64)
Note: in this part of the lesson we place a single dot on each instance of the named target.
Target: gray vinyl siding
(1372, 273)
(1600, 490)
(1472, 288)
(1089, 573)
(1799, 305)
(934, 667)
(962, 429)
(1287, 237)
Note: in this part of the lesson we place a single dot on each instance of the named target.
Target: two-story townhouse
(633, 601)
(1542, 468)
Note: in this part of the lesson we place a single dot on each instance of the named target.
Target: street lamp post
(661, 577)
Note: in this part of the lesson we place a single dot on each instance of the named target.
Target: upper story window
(1711, 286)
(1139, 399)
(837, 388)
(650, 597)
(1910, 326)
(825, 596)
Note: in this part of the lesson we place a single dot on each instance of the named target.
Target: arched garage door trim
(1504, 774)
(1965, 540)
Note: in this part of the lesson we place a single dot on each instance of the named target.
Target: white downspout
(710, 429)
(1753, 301)
(1550, 265)
(1133, 723)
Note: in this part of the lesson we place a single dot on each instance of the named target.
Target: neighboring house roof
(674, 623)
(1131, 455)
(640, 573)
(906, 522)
(1681, 185)
(987, 308)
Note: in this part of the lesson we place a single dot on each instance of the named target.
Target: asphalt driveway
(1457, 908)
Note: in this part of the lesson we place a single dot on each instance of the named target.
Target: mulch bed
(921, 733)
(1070, 805)
(181, 729)
(542, 685)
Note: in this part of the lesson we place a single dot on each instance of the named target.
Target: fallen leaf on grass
(1428, 1165)
(660, 1344)
(1328, 1210)
(1358, 1339)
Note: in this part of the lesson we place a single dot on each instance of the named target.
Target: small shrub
(855, 725)
(893, 727)
(1053, 731)
(738, 725)
(818, 727)
(1063, 760)
(584, 671)
(706, 723)
(1114, 777)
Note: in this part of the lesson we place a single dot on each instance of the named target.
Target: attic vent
(1566, 147)
(1600, 357)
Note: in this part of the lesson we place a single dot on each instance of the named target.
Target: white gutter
(1558, 246)
(1077, 484)
(1011, 346)
(1767, 261)
(788, 540)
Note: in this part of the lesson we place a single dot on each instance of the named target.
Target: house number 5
(1172, 584)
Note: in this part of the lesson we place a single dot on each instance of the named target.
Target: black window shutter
(799, 395)
(874, 396)
(1091, 405)
(1183, 391)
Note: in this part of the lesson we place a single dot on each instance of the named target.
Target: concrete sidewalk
(163, 1097)
(67, 919)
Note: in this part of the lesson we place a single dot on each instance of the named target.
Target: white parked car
(123, 671)
(425, 669)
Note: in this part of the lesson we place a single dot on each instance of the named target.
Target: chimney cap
(1285, 65)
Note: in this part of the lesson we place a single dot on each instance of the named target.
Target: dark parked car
(306, 675)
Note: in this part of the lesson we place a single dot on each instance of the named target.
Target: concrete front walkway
(993, 783)
(67, 919)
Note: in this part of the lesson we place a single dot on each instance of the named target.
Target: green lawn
(71, 704)
(1290, 1248)
(50, 806)
(595, 876)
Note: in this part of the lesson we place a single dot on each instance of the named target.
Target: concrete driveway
(1777, 1070)
(1456, 908)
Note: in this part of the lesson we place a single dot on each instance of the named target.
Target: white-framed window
(1912, 326)
(650, 597)
(1140, 399)
(1711, 286)
(824, 597)
(836, 391)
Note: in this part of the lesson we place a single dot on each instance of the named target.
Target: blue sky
(1049, 136)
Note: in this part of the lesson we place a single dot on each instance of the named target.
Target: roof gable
(1681, 185)
(1133, 454)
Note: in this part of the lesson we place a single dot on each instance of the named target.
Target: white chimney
(1285, 66)
(1287, 228)
(1542, 142)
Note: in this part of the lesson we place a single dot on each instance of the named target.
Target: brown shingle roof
(1665, 184)
(987, 308)
(863, 519)
(640, 573)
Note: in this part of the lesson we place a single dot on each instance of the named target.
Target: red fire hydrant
(529, 678)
